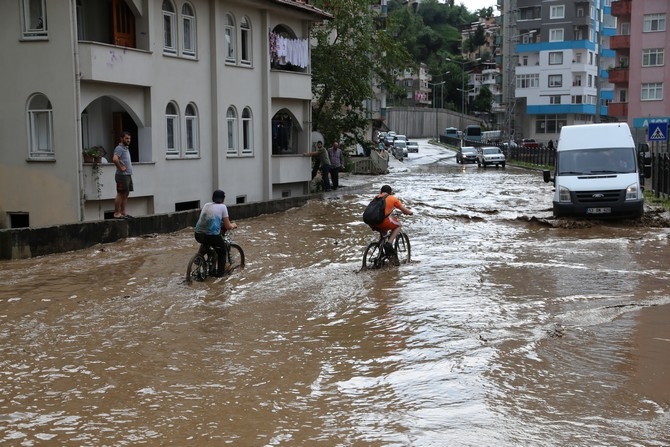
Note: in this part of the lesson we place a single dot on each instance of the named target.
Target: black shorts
(124, 183)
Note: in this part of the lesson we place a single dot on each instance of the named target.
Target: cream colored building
(216, 94)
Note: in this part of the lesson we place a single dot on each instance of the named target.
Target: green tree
(483, 101)
(352, 55)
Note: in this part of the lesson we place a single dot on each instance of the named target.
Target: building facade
(641, 70)
(215, 93)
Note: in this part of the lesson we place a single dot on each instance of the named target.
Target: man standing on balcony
(123, 176)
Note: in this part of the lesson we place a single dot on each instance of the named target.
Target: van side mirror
(546, 175)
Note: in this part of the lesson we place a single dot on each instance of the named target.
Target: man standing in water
(123, 176)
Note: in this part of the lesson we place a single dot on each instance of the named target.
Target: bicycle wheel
(372, 256)
(197, 269)
(402, 248)
(235, 258)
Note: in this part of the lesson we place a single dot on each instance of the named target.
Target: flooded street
(504, 330)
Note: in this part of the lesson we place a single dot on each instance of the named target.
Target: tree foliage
(353, 55)
(356, 51)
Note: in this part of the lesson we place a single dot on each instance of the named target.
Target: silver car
(400, 149)
(490, 155)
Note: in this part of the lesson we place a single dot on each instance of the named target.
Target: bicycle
(375, 255)
(204, 263)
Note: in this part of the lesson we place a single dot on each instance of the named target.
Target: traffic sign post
(658, 132)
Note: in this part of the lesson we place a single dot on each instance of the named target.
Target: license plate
(598, 210)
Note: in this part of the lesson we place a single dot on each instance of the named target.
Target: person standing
(123, 176)
(212, 224)
(324, 160)
(336, 164)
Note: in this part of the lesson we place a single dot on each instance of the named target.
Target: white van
(596, 173)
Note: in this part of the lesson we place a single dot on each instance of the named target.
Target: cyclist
(390, 223)
(212, 224)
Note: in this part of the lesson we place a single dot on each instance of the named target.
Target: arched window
(231, 131)
(189, 30)
(171, 129)
(247, 132)
(229, 33)
(245, 41)
(40, 127)
(192, 131)
(169, 28)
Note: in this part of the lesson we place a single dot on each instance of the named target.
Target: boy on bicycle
(212, 223)
(390, 223)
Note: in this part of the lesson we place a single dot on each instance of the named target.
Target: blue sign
(658, 132)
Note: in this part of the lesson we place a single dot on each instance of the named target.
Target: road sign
(658, 132)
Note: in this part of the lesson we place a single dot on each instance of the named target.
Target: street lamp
(433, 85)
(462, 64)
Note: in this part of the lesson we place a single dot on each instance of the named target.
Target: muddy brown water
(505, 329)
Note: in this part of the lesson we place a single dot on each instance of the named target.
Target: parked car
(466, 154)
(399, 149)
(490, 155)
(399, 137)
(412, 146)
(389, 137)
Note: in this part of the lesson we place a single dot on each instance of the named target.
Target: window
(556, 35)
(528, 81)
(624, 29)
(652, 57)
(653, 22)
(34, 19)
(192, 131)
(557, 12)
(555, 80)
(40, 123)
(556, 58)
(189, 30)
(652, 91)
(555, 99)
(169, 17)
(231, 126)
(171, 129)
(577, 82)
(247, 132)
(245, 41)
(229, 33)
(623, 95)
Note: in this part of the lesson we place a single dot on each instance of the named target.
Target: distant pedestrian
(336, 164)
(550, 145)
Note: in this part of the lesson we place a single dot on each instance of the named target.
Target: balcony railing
(620, 42)
(618, 109)
(622, 8)
(618, 76)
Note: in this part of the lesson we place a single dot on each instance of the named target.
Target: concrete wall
(22, 243)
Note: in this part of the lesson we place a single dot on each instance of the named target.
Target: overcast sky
(473, 5)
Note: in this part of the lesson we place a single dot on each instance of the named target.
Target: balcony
(119, 65)
(622, 8)
(618, 109)
(290, 85)
(620, 42)
(291, 169)
(618, 76)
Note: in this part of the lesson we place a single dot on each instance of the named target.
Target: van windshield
(620, 160)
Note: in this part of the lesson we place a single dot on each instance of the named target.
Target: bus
(451, 132)
(472, 133)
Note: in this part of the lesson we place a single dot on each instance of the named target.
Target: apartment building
(641, 71)
(216, 94)
(555, 67)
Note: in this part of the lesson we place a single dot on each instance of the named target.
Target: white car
(490, 155)
(412, 146)
(399, 149)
